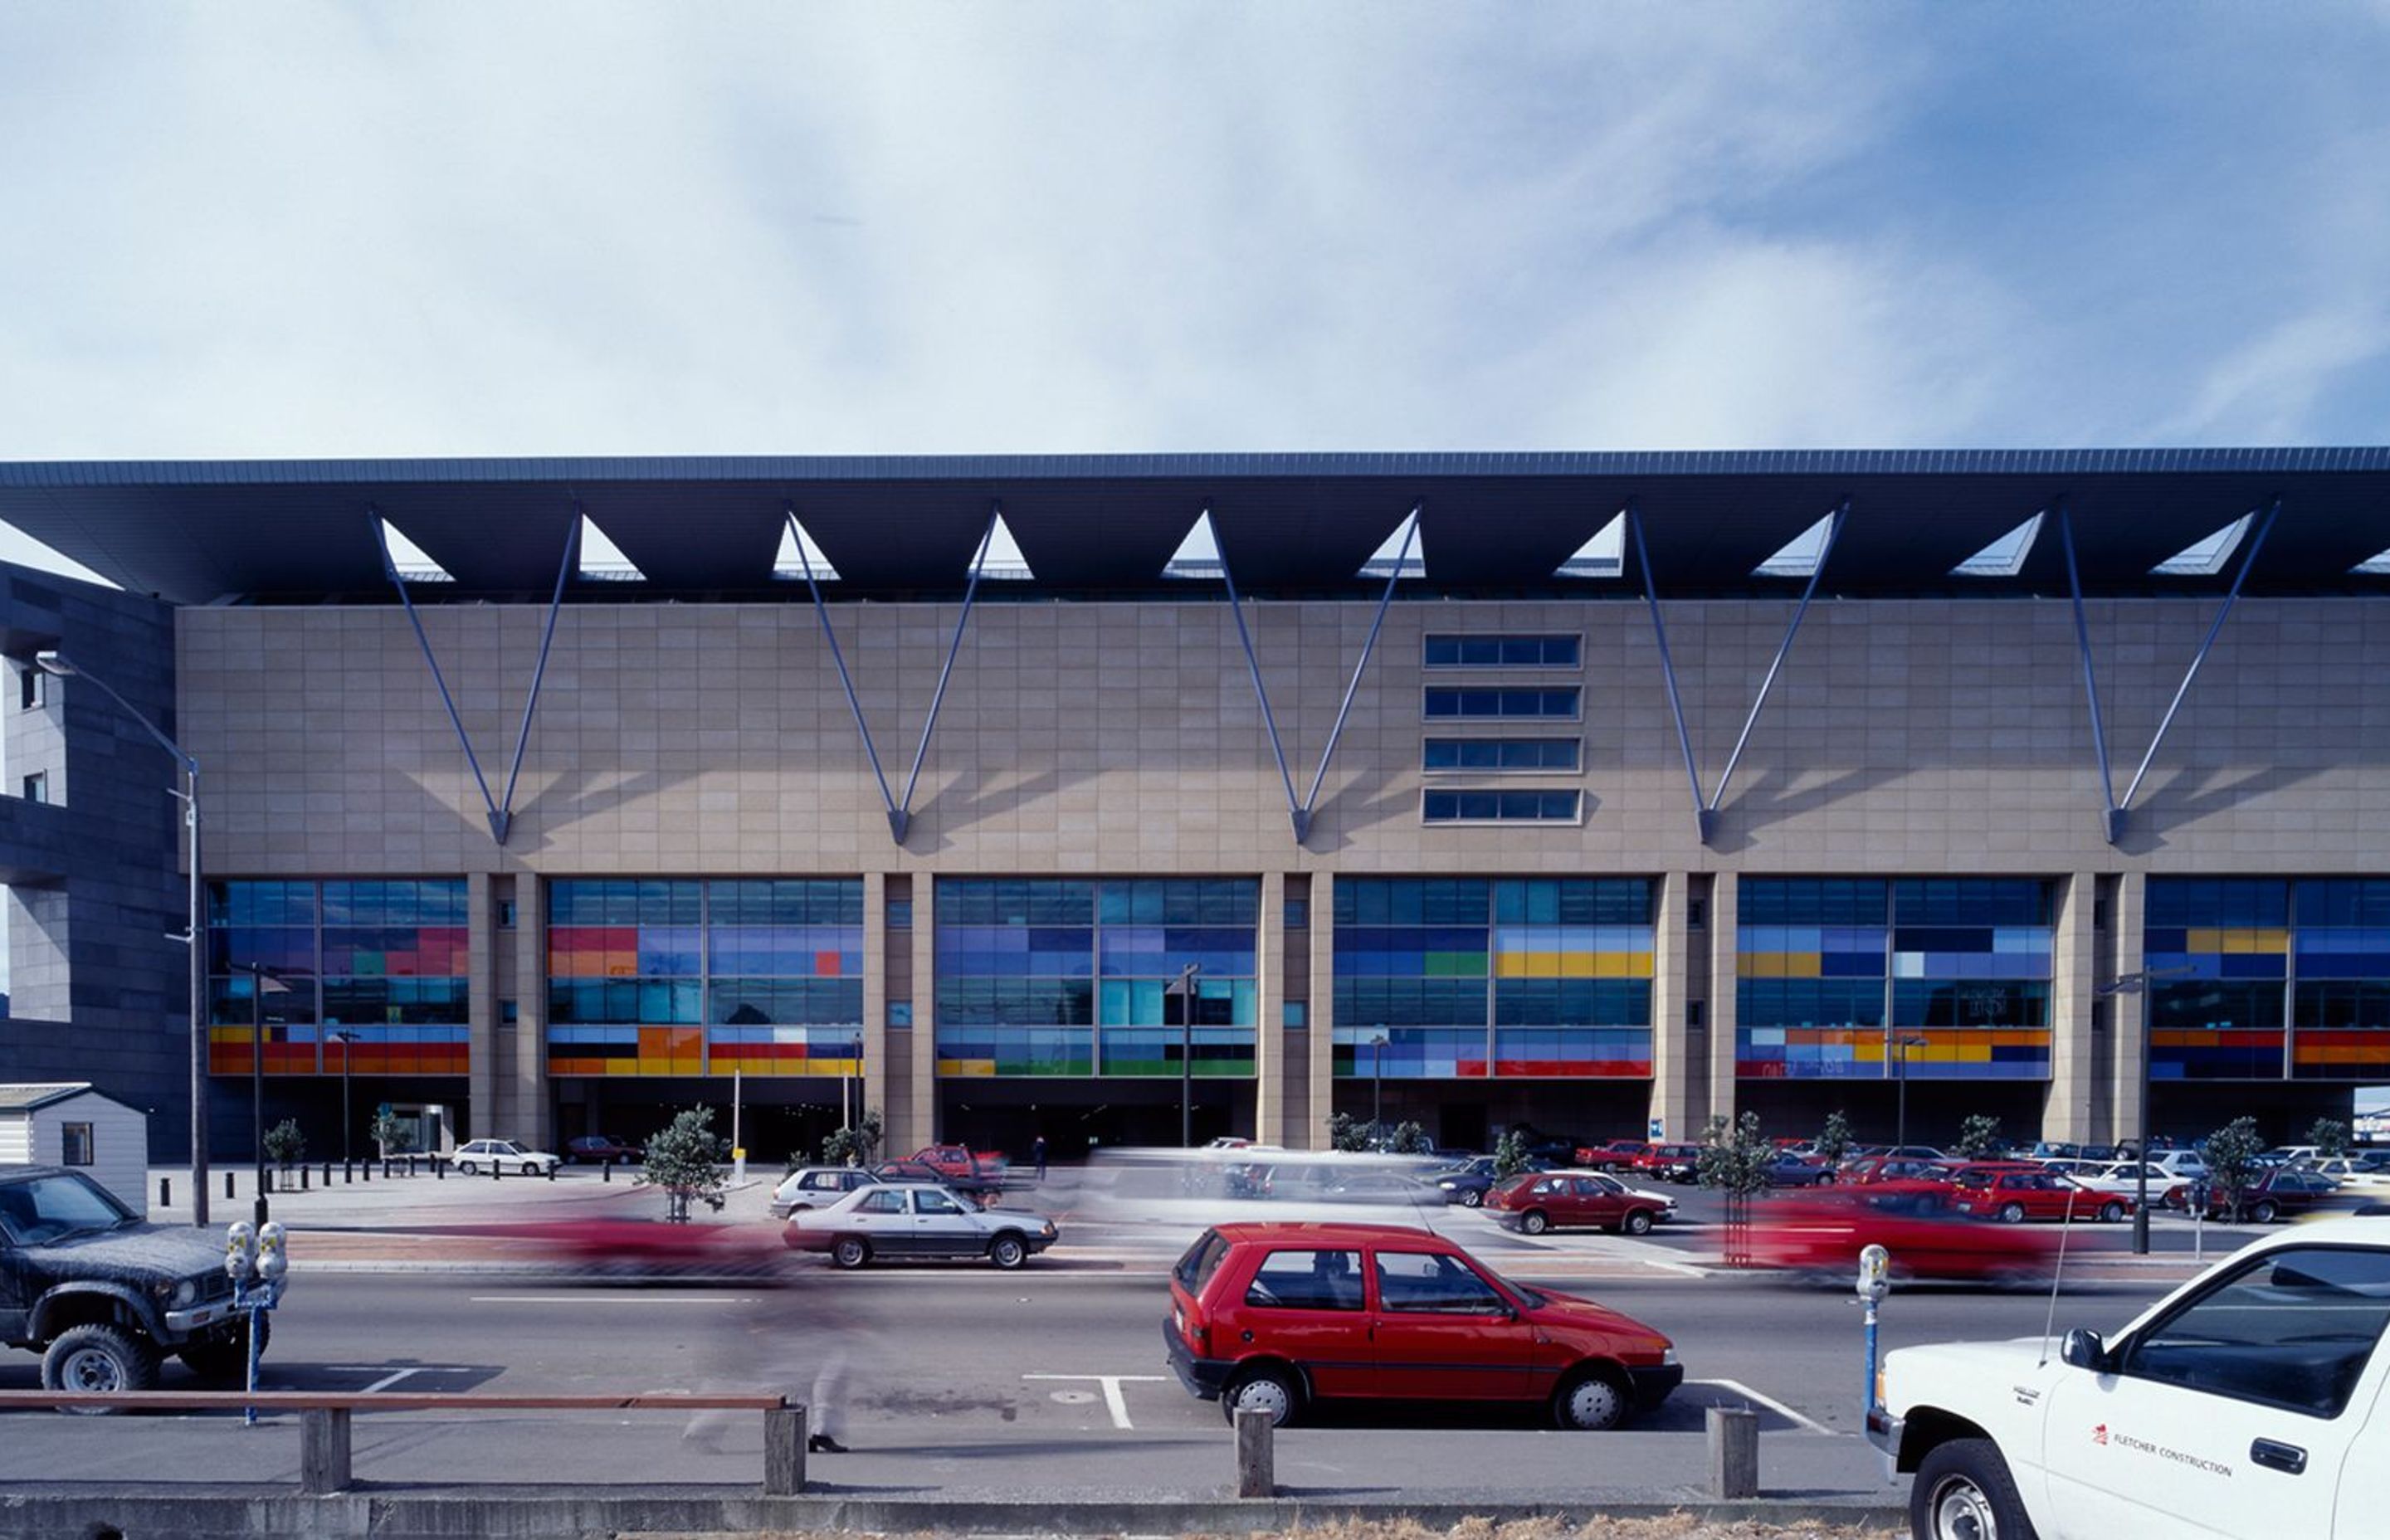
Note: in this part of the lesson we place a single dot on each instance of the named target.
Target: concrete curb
(421, 1513)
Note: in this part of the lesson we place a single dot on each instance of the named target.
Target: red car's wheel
(1535, 1222)
(2011, 1213)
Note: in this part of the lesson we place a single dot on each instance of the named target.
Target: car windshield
(1526, 1296)
(52, 1208)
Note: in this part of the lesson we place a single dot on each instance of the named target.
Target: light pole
(1900, 1136)
(195, 937)
(262, 981)
(1184, 987)
(344, 1039)
(1377, 1080)
(2138, 983)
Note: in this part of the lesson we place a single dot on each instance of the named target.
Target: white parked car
(818, 1188)
(2247, 1405)
(2363, 1175)
(2122, 1178)
(905, 1221)
(480, 1155)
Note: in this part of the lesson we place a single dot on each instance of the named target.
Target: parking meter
(270, 1259)
(1874, 1282)
(256, 1261)
(240, 1252)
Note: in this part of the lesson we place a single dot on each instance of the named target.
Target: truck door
(2233, 1415)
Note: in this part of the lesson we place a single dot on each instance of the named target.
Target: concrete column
(875, 992)
(1725, 999)
(484, 1051)
(913, 1108)
(1269, 1032)
(531, 1111)
(2072, 1046)
(1314, 1134)
(2125, 1012)
(1673, 1071)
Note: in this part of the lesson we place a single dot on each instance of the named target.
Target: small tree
(285, 1145)
(392, 1134)
(1979, 1137)
(2330, 1136)
(1734, 1159)
(1347, 1133)
(2231, 1156)
(1407, 1138)
(856, 1145)
(1835, 1142)
(684, 1161)
(1510, 1155)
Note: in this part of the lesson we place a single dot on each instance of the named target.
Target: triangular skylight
(601, 560)
(410, 561)
(1000, 558)
(1603, 556)
(2004, 556)
(2208, 557)
(801, 555)
(17, 547)
(1403, 554)
(2374, 565)
(1198, 555)
(1801, 554)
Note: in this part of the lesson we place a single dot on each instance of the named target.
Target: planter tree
(685, 1160)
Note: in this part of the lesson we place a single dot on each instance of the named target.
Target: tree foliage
(2231, 1156)
(684, 1160)
(392, 1134)
(856, 1145)
(1347, 1133)
(1834, 1140)
(1979, 1137)
(1510, 1155)
(1735, 1156)
(1406, 1138)
(2330, 1136)
(285, 1145)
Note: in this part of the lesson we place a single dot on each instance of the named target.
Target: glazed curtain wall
(1068, 978)
(1471, 977)
(1823, 964)
(659, 977)
(383, 962)
(2278, 978)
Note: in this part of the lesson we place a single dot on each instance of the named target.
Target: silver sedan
(903, 1220)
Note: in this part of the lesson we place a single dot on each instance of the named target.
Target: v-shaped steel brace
(501, 810)
(1705, 807)
(900, 812)
(1299, 813)
(2113, 820)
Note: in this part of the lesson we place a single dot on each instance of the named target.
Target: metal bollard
(784, 1450)
(1734, 1453)
(551, 1171)
(302, 1178)
(165, 1192)
(1256, 1459)
(228, 1184)
(366, 1166)
(439, 1169)
(606, 1172)
(495, 1173)
(324, 1451)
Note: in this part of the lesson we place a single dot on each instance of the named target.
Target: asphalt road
(968, 1383)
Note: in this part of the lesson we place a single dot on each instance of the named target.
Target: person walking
(756, 1346)
(1037, 1150)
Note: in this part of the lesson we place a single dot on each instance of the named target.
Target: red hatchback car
(1538, 1201)
(2014, 1195)
(1273, 1317)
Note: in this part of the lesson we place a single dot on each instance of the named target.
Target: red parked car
(1276, 1317)
(1611, 1156)
(959, 1162)
(2013, 1196)
(1538, 1201)
(1670, 1162)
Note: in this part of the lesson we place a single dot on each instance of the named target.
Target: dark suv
(102, 1296)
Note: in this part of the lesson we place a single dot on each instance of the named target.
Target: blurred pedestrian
(755, 1349)
(1037, 1149)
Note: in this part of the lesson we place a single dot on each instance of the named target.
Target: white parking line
(610, 1299)
(1114, 1401)
(1739, 1388)
(396, 1374)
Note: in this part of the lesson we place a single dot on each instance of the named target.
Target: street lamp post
(2138, 983)
(1377, 1080)
(195, 937)
(260, 982)
(344, 1038)
(1184, 987)
(1900, 1136)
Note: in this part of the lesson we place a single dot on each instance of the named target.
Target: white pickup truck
(2247, 1404)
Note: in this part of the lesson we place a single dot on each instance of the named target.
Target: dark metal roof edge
(580, 469)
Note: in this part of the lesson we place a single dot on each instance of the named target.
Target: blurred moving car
(1468, 1183)
(480, 1155)
(908, 1220)
(818, 1188)
(1821, 1234)
(599, 1149)
(616, 1249)
(1276, 1318)
(1538, 1201)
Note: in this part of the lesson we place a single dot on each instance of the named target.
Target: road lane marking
(609, 1300)
(1739, 1388)
(1114, 1401)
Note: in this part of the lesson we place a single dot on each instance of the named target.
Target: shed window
(74, 1144)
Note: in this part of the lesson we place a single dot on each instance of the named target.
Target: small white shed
(70, 1124)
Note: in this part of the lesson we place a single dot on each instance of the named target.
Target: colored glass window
(1020, 959)
(373, 975)
(1464, 977)
(1503, 704)
(2220, 953)
(1498, 807)
(1502, 753)
(1534, 651)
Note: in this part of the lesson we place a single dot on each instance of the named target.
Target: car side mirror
(2084, 1350)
